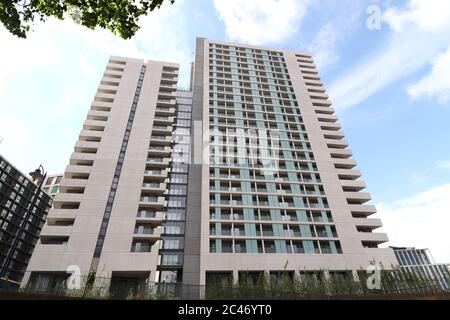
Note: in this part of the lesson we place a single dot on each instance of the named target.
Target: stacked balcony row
(67, 201)
(340, 154)
(152, 201)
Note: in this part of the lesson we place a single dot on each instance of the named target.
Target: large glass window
(177, 189)
(172, 244)
(171, 259)
(175, 215)
(177, 202)
(178, 178)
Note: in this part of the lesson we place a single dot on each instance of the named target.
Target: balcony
(154, 187)
(68, 197)
(314, 82)
(147, 233)
(109, 85)
(346, 174)
(163, 120)
(115, 67)
(162, 130)
(152, 201)
(95, 113)
(156, 140)
(101, 106)
(362, 210)
(319, 96)
(360, 197)
(333, 134)
(67, 182)
(94, 125)
(155, 174)
(371, 224)
(340, 153)
(87, 134)
(82, 146)
(324, 110)
(145, 216)
(161, 111)
(331, 126)
(169, 80)
(375, 238)
(55, 231)
(168, 88)
(159, 151)
(354, 185)
(340, 163)
(78, 158)
(336, 144)
(104, 97)
(158, 162)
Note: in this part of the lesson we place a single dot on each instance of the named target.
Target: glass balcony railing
(144, 230)
(151, 185)
(146, 214)
(153, 172)
(147, 199)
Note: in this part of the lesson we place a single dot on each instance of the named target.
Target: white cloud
(332, 34)
(428, 15)
(445, 165)
(261, 21)
(437, 82)
(414, 40)
(420, 220)
(323, 46)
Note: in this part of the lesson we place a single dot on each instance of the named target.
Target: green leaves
(121, 17)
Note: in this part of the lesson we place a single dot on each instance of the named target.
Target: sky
(385, 63)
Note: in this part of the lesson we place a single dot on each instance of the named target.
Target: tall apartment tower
(119, 210)
(245, 174)
(298, 208)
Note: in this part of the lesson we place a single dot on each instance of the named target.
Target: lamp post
(39, 176)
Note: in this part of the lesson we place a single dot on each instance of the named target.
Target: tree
(119, 16)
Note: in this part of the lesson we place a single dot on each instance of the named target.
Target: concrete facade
(140, 95)
(234, 82)
(129, 206)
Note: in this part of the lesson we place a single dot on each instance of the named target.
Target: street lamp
(38, 177)
(36, 174)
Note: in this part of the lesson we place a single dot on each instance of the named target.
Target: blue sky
(390, 86)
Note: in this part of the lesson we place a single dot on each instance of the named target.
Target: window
(178, 202)
(170, 259)
(172, 229)
(175, 215)
(172, 244)
(183, 123)
(178, 190)
(168, 276)
(180, 168)
(185, 115)
(179, 178)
